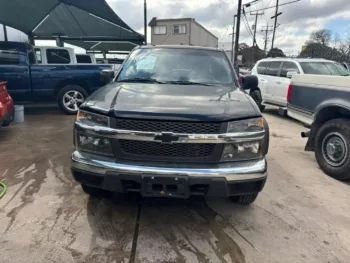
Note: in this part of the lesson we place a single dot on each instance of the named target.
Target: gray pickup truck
(322, 103)
(173, 123)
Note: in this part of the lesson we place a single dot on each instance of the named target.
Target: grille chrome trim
(181, 137)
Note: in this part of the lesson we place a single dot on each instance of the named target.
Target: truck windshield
(324, 68)
(176, 65)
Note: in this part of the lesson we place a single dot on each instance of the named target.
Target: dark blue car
(29, 82)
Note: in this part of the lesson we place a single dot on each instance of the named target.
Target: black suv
(174, 122)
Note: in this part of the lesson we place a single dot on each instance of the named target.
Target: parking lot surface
(301, 216)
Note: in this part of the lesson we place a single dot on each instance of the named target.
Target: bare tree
(337, 42)
(322, 36)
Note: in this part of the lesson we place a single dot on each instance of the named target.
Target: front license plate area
(156, 186)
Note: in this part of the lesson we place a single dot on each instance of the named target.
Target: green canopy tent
(67, 20)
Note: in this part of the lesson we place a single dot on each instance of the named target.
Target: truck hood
(168, 101)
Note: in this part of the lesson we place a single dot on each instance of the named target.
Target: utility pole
(145, 20)
(233, 37)
(5, 32)
(235, 64)
(255, 25)
(266, 38)
(275, 26)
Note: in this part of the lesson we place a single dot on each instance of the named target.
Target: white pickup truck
(323, 104)
(55, 55)
(47, 55)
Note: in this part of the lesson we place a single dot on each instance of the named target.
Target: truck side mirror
(291, 73)
(106, 76)
(250, 82)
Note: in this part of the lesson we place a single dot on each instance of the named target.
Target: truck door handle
(278, 82)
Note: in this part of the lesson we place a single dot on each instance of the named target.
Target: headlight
(242, 151)
(92, 118)
(94, 144)
(249, 125)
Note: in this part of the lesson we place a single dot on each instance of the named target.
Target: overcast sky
(297, 21)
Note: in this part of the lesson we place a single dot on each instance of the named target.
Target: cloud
(297, 21)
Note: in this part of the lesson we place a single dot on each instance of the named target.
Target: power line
(291, 2)
(275, 26)
(266, 38)
(255, 24)
(262, 6)
(246, 23)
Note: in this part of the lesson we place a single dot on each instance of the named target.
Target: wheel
(332, 148)
(70, 98)
(256, 95)
(246, 199)
(96, 192)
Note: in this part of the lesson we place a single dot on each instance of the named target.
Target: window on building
(179, 29)
(287, 67)
(38, 56)
(83, 58)
(57, 56)
(273, 68)
(159, 30)
(9, 56)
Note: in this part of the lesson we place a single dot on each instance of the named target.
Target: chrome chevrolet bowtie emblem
(166, 137)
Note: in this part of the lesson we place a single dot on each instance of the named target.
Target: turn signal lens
(249, 125)
(92, 118)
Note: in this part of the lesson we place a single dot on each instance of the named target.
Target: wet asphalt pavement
(301, 216)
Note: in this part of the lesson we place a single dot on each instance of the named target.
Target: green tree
(275, 52)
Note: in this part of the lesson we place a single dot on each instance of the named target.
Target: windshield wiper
(151, 80)
(186, 82)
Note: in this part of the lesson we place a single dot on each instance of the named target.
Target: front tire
(70, 98)
(245, 199)
(332, 148)
(96, 192)
(256, 96)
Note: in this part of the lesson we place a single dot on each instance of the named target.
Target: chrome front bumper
(235, 171)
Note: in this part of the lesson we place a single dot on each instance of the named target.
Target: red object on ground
(7, 106)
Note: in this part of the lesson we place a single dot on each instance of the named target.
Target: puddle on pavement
(183, 231)
(46, 215)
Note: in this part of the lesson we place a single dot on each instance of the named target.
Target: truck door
(14, 69)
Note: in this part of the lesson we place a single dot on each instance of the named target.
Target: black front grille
(155, 149)
(168, 126)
